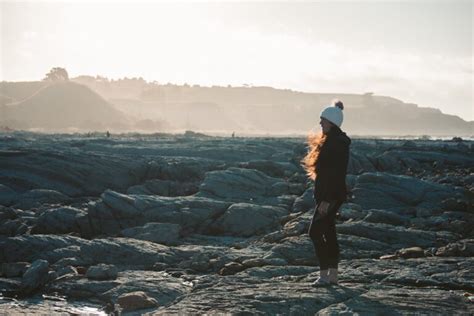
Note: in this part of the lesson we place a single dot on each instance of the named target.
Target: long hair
(315, 143)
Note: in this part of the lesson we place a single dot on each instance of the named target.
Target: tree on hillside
(57, 74)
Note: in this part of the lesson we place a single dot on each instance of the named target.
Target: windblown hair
(315, 143)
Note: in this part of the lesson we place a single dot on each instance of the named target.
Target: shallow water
(47, 305)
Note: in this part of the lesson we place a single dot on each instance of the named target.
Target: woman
(326, 164)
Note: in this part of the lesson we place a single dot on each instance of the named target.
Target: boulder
(119, 211)
(33, 247)
(61, 220)
(412, 252)
(7, 213)
(351, 211)
(38, 197)
(7, 195)
(102, 272)
(127, 251)
(244, 219)
(461, 248)
(67, 270)
(124, 206)
(393, 192)
(13, 227)
(35, 277)
(381, 216)
(271, 168)
(162, 233)
(394, 235)
(305, 202)
(296, 250)
(136, 300)
(164, 188)
(241, 184)
(359, 163)
(231, 268)
(14, 269)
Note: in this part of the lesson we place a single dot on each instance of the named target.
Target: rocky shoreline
(161, 224)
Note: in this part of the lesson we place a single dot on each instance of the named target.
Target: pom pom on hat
(334, 113)
(339, 104)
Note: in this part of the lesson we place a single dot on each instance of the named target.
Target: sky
(417, 51)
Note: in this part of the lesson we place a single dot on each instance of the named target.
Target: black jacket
(331, 167)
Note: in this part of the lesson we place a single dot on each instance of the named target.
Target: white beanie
(333, 113)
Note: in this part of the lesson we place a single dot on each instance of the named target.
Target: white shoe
(321, 282)
(323, 279)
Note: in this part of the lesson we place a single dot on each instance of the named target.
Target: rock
(14, 269)
(159, 266)
(127, 251)
(58, 221)
(136, 300)
(70, 261)
(412, 252)
(102, 272)
(119, 251)
(424, 213)
(462, 248)
(162, 233)
(235, 221)
(161, 286)
(7, 213)
(191, 212)
(231, 268)
(13, 227)
(81, 270)
(359, 163)
(452, 204)
(271, 168)
(7, 195)
(296, 250)
(305, 202)
(164, 188)
(356, 247)
(260, 262)
(351, 211)
(52, 275)
(10, 288)
(269, 269)
(35, 277)
(393, 235)
(240, 184)
(32, 247)
(200, 262)
(388, 257)
(181, 168)
(296, 227)
(411, 164)
(38, 197)
(381, 216)
(123, 205)
(391, 192)
(387, 162)
(67, 270)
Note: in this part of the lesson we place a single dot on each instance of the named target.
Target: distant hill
(269, 110)
(58, 106)
(254, 110)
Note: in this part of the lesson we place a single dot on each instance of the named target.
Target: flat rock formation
(166, 224)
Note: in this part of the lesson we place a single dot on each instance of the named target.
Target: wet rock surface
(165, 224)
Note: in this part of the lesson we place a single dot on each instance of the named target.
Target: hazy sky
(416, 51)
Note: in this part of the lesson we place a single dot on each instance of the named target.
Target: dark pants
(323, 234)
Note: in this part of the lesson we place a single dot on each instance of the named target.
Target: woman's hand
(323, 208)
